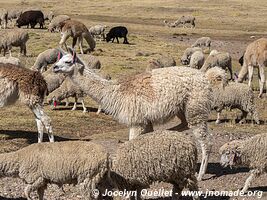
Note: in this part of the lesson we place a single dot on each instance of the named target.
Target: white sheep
(251, 152)
(75, 162)
(186, 20)
(14, 14)
(3, 17)
(185, 59)
(166, 156)
(45, 58)
(202, 42)
(48, 15)
(232, 95)
(11, 60)
(98, 30)
(197, 60)
(55, 22)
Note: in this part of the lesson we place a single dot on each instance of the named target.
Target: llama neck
(9, 164)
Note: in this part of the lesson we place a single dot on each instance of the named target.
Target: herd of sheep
(163, 91)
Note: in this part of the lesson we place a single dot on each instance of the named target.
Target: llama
(149, 98)
(18, 83)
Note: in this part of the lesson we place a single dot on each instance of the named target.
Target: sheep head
(231, 153)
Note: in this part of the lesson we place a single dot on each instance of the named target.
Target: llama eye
(68, 62)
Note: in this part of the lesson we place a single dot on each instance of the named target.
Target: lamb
(250, 153)
(117, 32)
(166, 156)
(185, 59)
(19, 83)
(98, 30)
(150, 98)
(3, 18)
(46, 58)
(16, 38)
(186, 20)
(255, 56)
(197, 60)
(10, 60)
(56, 21)
(220, 59)
(232, 95)
(160, 62)
(77, 31)
(203, 41)
(72, 162)
(67, 89)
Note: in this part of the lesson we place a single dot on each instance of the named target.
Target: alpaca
(18, 83)
(150, 98)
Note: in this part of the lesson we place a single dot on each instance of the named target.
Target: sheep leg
(67, 102)
(176, 191)
(84, 107)
(230, 70)
(99, 110)
(117, 40)
(250, 75)
(75, 104)
(243, 117)
(39, 183)
(46, 121)
(40, 192)
(248, 181)
(261, 79)
(218, 121)
(192, 185)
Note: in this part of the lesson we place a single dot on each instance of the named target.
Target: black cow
(31, 17)
(117, 32)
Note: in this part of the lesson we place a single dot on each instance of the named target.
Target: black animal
(31, 17)
(117, 32)
(241, 60)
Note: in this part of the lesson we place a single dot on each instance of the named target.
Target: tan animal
(77, 31)
(255, 56)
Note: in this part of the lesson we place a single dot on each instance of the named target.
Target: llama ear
(59, 55)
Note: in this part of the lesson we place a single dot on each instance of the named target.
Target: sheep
(220, 59)
(16, 38)
(31, 17)
(45, 58)
(98, 30)
(3, 18)
(53, 80)
(160, 62)
(67, 89)
(166, 156)
(203, 41)
(71, 162)
(251, 152)
(91, 61)
(14, 14)
(255, 56)
(232, 95)
(10, 60)
(169, 24)
(49, 15)
(197, 60)
(186, 20)
(117, 32)
(185, 59)
(55, 22)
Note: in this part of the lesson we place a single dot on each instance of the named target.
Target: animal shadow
(4, 198)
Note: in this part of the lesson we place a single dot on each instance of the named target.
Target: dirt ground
(232, 25)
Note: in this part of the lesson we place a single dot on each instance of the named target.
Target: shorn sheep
(186, 20)
(250, 153)
(77, 31)
(202, 42)
(255, 56)
(3, 17)
(46, 58)
(232, 95)
(220, 59)
(18, 83)
(166, 156)
(98, 30)
(197, 60)
(186, 57)
(160, 62)
(75, 162)
(67, 89)
(54, 25)
(15, 38)
(150, 98)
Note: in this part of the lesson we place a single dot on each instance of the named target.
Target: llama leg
(74, 41)
(99, 110)
(46, 121)
(250, 75)
(248, 181)
(84, 107)
(40, 128)
(75, 104)
(81, 44)
(261, 79)
(63, 40)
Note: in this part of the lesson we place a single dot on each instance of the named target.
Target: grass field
(230, 24)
